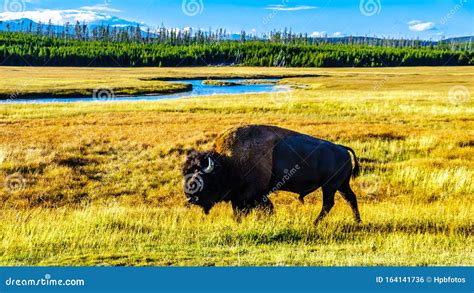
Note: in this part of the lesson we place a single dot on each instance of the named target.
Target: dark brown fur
(249, 150)
(248, 161)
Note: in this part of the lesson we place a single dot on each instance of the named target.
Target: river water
(199, 89)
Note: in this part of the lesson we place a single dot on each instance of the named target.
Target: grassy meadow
(99, 183)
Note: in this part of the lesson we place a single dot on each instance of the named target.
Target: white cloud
(281, 7)
(319, 34)
(58, 17)
(337, 34)
(100, 7)
(420, 26)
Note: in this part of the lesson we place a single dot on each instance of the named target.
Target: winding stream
(199, 89)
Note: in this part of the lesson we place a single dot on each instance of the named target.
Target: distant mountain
(16, 25)
(116, 22)
(467, 39)
(374, 40)
(22, 24)
(369, 40)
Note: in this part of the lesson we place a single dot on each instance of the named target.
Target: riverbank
(56, 82)
(59, 82)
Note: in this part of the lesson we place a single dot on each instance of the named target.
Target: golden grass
(99, 183)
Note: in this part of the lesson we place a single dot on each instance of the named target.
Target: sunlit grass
(100, 182)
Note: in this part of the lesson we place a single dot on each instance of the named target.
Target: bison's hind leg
(302, 196)
(351, 198)
(328, 203)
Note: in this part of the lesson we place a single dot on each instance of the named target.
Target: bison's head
(204, 179)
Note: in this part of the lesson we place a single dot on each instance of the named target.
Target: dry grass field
(99, 183)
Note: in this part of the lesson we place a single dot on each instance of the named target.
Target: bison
(248, 163)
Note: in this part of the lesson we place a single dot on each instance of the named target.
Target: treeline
(178, 37)
(136, 48)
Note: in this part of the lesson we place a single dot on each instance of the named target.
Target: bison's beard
(215, 194)
(207, 208)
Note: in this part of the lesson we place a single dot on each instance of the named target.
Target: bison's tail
(356, 170)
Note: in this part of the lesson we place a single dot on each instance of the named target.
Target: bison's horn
(210, 167)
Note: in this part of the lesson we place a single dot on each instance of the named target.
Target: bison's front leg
(265, 204)
(245, 206)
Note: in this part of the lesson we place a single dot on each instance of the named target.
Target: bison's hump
(250, 144)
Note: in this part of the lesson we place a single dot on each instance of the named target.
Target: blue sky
(419, 18)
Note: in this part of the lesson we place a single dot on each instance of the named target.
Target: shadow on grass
(409, 228)
(76, 162)
(344, 232)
